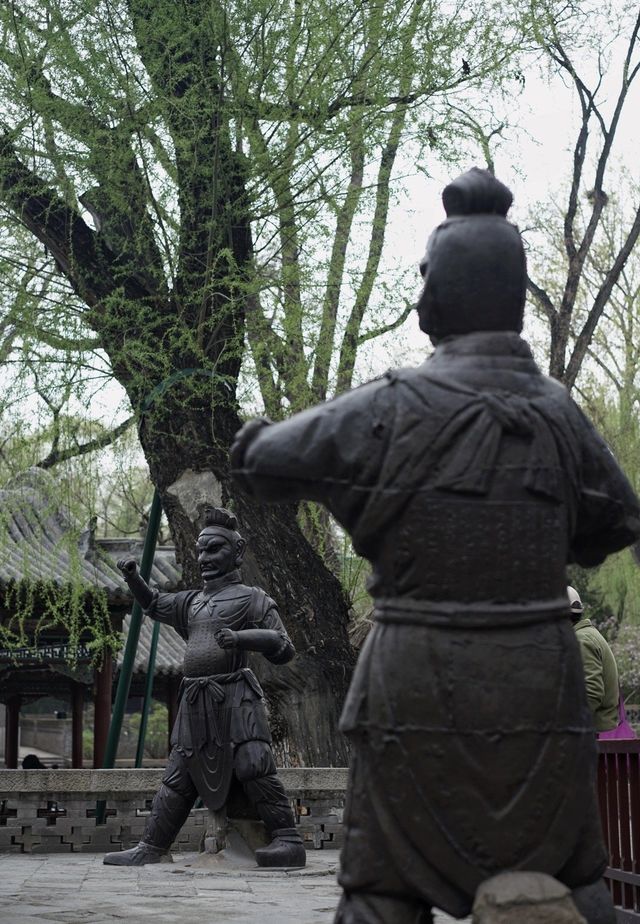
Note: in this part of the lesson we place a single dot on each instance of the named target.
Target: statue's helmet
(221, 520)
(474, 267)
(575, 603)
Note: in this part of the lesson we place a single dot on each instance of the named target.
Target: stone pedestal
(525, 898)
(231, 842)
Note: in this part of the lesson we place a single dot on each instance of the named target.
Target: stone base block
(524, 898)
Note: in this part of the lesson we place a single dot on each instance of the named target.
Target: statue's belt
(213, 687)
(448, 614)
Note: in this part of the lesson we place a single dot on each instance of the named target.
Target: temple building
(60, 591)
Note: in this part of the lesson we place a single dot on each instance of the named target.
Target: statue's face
(217, 553)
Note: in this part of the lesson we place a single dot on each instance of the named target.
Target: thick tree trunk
(305, 697)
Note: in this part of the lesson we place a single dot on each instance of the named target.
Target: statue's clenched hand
(227, 638)
(138, 587)
(243, 439)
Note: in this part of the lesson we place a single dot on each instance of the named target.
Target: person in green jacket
(600, 669)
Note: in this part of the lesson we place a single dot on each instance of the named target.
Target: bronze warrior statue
(469, 483)
(221, 729)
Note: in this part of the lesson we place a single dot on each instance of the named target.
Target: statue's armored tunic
(468, 483)
(221, 703)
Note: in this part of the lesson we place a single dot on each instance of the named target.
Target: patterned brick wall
(53, 812)
(66, 822)
(319, 817)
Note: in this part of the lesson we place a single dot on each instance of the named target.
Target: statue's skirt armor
(469, 737)
(216, 714)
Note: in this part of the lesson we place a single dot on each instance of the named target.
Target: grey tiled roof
(38, 543)
(165, 571)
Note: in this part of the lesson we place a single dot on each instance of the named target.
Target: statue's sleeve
(330, 453)
(172, 609)
(265, 615)
(608, 515)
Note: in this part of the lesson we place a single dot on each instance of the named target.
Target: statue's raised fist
(226, 638)
(243, 439)
(128, 566)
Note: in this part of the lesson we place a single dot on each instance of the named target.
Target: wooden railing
(619, 796)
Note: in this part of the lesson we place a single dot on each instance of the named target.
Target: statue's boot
(140, 855)
(270, 799)
(286, 849)
(169, 812)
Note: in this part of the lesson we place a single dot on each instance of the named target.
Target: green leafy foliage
(39, 539)
(80, 612)
(206, 187)
(189, 170)
(156, 738)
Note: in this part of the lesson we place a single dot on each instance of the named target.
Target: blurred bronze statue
(469, 483)
(221, 729)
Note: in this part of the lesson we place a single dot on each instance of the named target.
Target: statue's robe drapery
(469, 483)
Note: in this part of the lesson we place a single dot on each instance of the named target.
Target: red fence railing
(619, 796)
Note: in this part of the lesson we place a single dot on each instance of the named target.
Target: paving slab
(79, 889)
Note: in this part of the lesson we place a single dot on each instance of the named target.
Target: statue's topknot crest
(474, 266)
(218, 516)
(476, 192)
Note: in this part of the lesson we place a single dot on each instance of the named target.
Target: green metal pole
(148, 690)
(128, 659)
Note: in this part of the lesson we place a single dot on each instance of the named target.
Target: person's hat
(575, 603)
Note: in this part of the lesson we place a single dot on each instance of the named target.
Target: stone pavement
(79, 889)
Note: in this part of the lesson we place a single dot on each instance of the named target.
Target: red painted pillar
(77, 706)
(102, 706)
(12, 731)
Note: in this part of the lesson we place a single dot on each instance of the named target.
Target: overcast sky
(534, 159)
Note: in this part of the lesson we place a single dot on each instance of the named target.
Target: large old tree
(182, 166)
